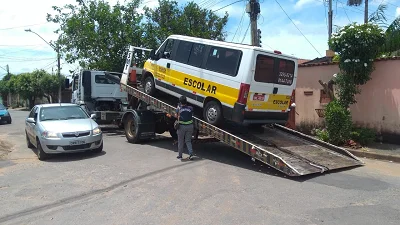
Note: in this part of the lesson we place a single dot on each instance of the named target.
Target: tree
(96, 34)
(50, 84)
(191, 20)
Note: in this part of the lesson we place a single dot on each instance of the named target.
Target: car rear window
(274, 70)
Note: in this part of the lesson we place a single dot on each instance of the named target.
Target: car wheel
(99, 149)
(28, 142)
(212, 113)
(40, 153)
(149, 87)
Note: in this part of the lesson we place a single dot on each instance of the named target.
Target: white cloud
(299, 4)
(397, 11)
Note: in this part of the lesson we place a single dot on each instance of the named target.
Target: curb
(373, 155)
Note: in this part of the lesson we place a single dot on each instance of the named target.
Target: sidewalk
(379, 151)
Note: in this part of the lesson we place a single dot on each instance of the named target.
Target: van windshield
(274, 70)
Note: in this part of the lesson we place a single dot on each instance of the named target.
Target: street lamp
(57, 49)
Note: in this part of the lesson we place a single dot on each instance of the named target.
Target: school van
(241, 83)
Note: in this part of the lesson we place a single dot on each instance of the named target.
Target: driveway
(146, 184)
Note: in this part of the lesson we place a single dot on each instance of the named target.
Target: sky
(294, 27)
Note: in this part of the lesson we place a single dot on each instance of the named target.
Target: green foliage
(96, 34)
(338, 123)
(358, 46)
(322, 134)
(364, 136)
(191, 20)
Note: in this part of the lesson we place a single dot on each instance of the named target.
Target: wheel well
(126, 114)
(209, 99)
(147, 74)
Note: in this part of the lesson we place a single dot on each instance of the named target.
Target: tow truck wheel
(131, 129)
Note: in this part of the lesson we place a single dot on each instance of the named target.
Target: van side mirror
(153, 54)
(92, 116)
(66, 83)
(167, 55)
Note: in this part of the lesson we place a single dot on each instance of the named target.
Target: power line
(298, 28)
(9, 28)
(240, 23)
(245, 33)
(229, 5)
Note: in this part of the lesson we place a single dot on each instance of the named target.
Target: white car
(62, 128)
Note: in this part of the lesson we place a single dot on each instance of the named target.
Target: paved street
(146, 184)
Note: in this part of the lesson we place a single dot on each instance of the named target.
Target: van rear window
(274, 70)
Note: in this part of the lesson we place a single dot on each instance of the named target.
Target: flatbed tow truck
(284, 149)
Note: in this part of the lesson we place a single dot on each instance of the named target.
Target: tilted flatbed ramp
(286, 150)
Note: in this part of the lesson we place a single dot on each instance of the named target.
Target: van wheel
(149, 87)
(212, 113)
(131, 129)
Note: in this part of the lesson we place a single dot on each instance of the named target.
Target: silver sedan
(62, 128)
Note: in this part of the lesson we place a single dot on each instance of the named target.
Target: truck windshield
(62, 113)
(274, 70)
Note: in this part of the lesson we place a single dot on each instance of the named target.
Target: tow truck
(282, 148)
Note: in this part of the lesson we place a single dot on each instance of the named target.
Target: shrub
(322, 134)
(364, 136)
(338, 123)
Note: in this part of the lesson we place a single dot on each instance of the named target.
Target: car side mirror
(30, 120)
(7, 108)
(93, 116)
(66, 83)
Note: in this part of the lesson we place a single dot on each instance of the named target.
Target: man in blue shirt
(185, 130)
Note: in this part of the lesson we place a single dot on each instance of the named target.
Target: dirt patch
(5, 147)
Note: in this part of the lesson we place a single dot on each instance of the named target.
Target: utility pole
(56, 48)
(58, 71)
(330, 19)
(366, 12)
(253, 9)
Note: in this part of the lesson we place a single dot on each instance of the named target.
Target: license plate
(258, 97)
(76, 142)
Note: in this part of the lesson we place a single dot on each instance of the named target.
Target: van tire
(149, 87)
(212, 113)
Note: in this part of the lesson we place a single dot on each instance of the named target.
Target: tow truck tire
(131, 129)
(149, 87)
(212, 113)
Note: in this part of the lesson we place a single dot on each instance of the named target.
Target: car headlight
(49, 134)
(96, 131)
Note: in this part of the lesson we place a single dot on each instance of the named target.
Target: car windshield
(62, 113)
(2, 107)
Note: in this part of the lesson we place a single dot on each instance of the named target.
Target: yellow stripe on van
(223, 93)
(273, 102)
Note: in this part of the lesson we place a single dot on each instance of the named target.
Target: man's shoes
(179, 157)
(190, 157)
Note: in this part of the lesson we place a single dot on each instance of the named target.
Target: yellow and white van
(241, 83)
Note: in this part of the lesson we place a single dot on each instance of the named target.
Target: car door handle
(275, 90)
(168, 65)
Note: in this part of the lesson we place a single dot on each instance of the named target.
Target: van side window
(196, 55)
(223, 60)
(169, 46)
(265, 69)
(183, 51)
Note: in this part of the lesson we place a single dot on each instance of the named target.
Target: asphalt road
(146, 184)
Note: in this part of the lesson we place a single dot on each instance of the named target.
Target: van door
(272, 84)
(162, 72)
